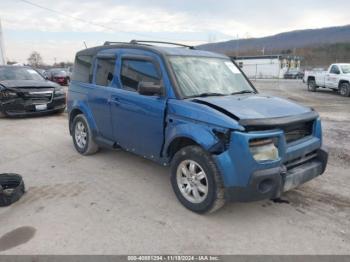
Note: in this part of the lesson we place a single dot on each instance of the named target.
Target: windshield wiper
(242, 92)
(207, 94)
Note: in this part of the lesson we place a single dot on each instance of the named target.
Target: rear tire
(82, 136)
(311, 85)
(344, 89)
(196, 180)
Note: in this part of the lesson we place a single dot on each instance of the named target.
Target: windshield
(58, 72)
(19, 73)
(345, 69)
(200, 76)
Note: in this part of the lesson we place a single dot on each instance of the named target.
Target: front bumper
(271, 183)
(20, 108)
(246, 179)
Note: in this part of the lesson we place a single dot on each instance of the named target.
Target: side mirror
(110, 76)
(149, 89)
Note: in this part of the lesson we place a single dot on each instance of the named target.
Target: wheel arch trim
(200, 136)
(80, 107)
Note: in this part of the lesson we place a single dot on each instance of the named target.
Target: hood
(256, 107)
(28, 84)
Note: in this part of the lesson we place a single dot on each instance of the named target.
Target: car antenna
(85, 44)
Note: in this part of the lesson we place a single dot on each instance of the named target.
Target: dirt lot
(117, 203)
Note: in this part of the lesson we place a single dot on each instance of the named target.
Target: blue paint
(147, 125)
(257, 106)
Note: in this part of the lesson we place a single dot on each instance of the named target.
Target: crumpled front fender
(206, 136)
(200, 135)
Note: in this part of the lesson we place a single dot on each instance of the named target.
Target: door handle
(114, 100)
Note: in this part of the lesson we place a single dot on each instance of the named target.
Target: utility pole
(237, 45)
(2, 48)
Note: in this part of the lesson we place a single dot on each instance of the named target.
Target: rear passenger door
(138, 120)
(99, 95)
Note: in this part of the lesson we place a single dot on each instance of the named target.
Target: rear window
(58, 72)
(82, 69)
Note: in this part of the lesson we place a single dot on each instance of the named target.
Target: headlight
(60, 92)
(5, 94)
(263, 149)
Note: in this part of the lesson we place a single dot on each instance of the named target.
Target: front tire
(344, 89)
(196, 180)
(82, 136)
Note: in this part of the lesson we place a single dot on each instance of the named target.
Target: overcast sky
(58, 34)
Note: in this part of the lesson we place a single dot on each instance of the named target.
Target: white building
(2, 49)
(267, 66)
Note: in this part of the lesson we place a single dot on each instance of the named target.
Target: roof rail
(160, 42)
(113, 43)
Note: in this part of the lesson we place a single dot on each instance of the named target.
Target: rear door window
(104, 71)
(135, 71)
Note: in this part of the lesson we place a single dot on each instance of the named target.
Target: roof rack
(145, 42)
(159, 42)
(113, 43)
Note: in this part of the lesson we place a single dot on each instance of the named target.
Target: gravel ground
(118, 203)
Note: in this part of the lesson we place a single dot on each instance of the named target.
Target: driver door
(332, 77)
(138, 120)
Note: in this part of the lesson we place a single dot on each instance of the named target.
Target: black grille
(295, 132)
(292, 132)
(40, 97)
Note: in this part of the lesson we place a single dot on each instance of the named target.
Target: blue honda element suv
(197, 112)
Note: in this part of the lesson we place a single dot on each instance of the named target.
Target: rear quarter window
(82, 68)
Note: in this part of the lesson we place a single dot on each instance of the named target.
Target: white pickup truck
(337, 78)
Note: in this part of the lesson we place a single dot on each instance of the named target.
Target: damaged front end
(17, 101)
(267, 160)
(259, 157)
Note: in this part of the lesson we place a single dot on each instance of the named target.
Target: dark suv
(197, 112)
(25, 92)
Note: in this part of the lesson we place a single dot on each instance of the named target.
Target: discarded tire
(11, 188)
